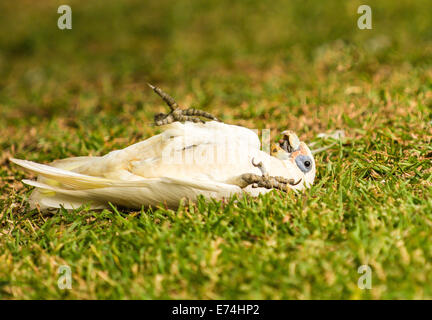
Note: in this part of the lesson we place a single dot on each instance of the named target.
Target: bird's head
(297, 153)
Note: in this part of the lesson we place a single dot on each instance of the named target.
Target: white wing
(184, 161)
(71, 190)
(212, 151)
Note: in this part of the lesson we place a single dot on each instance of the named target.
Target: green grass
(302, 65)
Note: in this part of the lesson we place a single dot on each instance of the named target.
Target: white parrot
(186, 160)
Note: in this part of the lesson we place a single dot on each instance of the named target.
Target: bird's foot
(178, 114)
(182, 115)
(266, 181)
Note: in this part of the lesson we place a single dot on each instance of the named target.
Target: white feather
(184, 161)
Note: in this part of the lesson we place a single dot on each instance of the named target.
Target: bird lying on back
(189, 158)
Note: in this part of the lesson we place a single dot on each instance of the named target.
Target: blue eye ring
(304, 163)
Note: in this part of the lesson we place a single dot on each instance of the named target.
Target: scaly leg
(266, 181)
(177, 114)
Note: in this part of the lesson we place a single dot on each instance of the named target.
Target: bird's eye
(304, 163)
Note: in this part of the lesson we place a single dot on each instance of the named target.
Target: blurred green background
(300, 65)
(228, 51)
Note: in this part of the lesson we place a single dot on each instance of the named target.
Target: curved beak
(290, 141)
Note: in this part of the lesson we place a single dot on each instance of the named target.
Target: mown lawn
(302, 65)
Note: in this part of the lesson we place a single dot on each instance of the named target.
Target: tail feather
(57, 187)
(46, 200)
(68, 179)
(73, 162)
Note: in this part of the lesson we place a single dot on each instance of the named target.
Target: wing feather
(139, 174)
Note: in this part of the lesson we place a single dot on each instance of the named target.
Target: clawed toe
(266, 181)
(178, 114)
